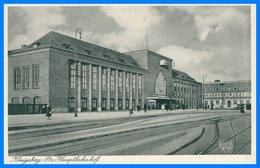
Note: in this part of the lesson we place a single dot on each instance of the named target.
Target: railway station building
(102, 79)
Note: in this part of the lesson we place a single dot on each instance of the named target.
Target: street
(180, 132)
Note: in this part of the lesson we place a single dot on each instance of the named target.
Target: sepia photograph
(130, 84)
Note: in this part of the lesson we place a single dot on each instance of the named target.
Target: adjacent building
(227, 94)
(68, 73)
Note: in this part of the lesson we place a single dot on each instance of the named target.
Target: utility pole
(79, 30)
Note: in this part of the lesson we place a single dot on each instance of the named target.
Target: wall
(40, 57)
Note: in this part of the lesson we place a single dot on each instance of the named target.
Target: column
(131, 90)
(108, 89)
(116, 90)
(142, 91)
(123, 101)
(99, 88)
(79, 88)
(90, 87)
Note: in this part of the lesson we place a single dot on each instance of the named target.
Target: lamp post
(79, 30)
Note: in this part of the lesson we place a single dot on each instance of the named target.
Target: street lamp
(79, 30)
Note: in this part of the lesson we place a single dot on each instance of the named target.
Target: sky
(211, 40)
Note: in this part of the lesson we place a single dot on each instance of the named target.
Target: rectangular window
(103, 103)
(26, 100)
(120, 81)
(241, 101)
(134, 83)
(84, 103)
(120, 103)
(140, 84)
(217, 102)
(17, 78)
(94, 103)
(36, 76)
(235, 101)
(104, 79)
(247, 101)
(112, 103)
(71, 102)
(127, 104)
(127, 82)
(84, 76)
(94, 77)
(72, 75)
(112, 86)
(26, 77)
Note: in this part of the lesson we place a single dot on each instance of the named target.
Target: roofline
(243, 81)
(147, 50)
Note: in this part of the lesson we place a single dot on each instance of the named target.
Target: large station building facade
(45, 72)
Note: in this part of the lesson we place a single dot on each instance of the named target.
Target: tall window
(241, 102)
(84, 76)
(26, 100)
(17, 78)
(36, 76)
(84, 103)
(104, 79)
(120, 81)
(15, 100)
(112, 102)
(134, 83)
(127, 104)
(140, 84)
(72, 75)
(94, 103)
(247, 101)
(103, 103)
(37, 100)
(26, 77)
(94, 77)
(72, 102)
(127, 82)
(120, 103)
(112, 89)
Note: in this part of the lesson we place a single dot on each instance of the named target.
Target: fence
(15, 109)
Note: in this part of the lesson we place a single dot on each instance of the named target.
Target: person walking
(130, 111)
(48, 114)
(162, 107)
(145, 107)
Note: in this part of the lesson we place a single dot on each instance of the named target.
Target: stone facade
(60, 81)
(227, 94)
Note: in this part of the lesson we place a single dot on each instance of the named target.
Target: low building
(227, 94)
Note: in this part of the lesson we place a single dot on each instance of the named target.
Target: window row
(27, 100)
(94, 104)
(25, 77)
(227, 94)
(217, 102)
(186, 88)
(104, 80)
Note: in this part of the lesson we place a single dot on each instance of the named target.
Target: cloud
(187, 60)
(133, 20)
(184, 57)
(214, 19)
(36, 21)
